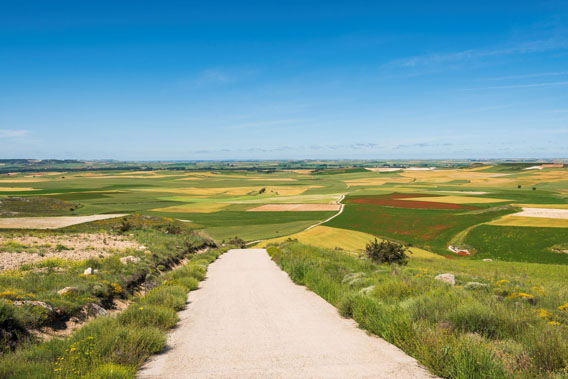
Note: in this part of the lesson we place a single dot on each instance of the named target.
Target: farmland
(428, 208)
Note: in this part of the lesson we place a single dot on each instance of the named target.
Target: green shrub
(386, 252)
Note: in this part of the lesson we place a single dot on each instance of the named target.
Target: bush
(238, 242)
(386, 252)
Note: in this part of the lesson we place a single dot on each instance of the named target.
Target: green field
(456, 200)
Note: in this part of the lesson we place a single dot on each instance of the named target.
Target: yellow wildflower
(543, 313)
(501, 282)
(553, 323)
(515, 295)
(563, 307)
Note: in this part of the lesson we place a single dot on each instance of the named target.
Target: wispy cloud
(471, 54)
(13, 133)
(529, 85)
(527, 76)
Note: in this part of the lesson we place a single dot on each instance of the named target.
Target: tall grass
(504, 325)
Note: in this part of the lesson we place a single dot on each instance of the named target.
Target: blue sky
(145, 80)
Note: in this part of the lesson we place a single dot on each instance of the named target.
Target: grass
(501, 320)
(518, 243)
(112, 347)
(430, 229)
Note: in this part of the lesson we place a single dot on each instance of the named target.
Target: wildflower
(501, 282)
(515, 295)
(563, 307)
(543, 313)
(553, 323)
(141, 308)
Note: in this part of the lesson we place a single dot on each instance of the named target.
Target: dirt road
(249, 320)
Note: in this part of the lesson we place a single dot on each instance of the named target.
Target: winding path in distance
(249, 320)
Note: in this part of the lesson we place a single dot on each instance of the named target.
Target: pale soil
(50, 222)
(295, 207)
(81, 246)
(248, 320)
(544, 212)
(466, 192)
(382, 169)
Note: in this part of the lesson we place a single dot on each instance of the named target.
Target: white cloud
(13, 133)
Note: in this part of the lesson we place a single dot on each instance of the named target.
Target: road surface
(249, 320)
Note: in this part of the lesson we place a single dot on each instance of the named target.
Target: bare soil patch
(295, 207)
(544, 213)
(50, 222)
(18, 250)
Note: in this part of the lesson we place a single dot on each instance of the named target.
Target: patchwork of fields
(493, 211)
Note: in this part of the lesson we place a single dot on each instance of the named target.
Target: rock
(94, 310)
(142, 247)
(35, 303)
(475, 285)
(487, 260)
(88, 271)
(67, 290)
(448, 278)
(129, 259)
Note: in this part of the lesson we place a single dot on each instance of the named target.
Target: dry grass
(540, 222)
(295, 207)
(50, 222)
(16, 189)
(194, 208)
(544, 213)
(548, 206)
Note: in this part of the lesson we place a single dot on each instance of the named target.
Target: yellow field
(194, 208)
(539, 222)
(234, 191)
(458, 199)
(16, 189)
(330, 238)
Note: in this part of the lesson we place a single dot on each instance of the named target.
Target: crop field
(430, 208)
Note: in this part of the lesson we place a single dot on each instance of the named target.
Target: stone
(448, 278)
(94, 310)
(67, 290)
(88, 271)
(129, 259)
(35, 303)
(487, 260)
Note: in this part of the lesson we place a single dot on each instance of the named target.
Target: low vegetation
(57, 290)
(499, 320)
(112, 347)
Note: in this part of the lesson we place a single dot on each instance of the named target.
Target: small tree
(262, 190)
(519, 186)
(387, 252)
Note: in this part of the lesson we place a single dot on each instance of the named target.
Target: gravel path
(249, 320)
